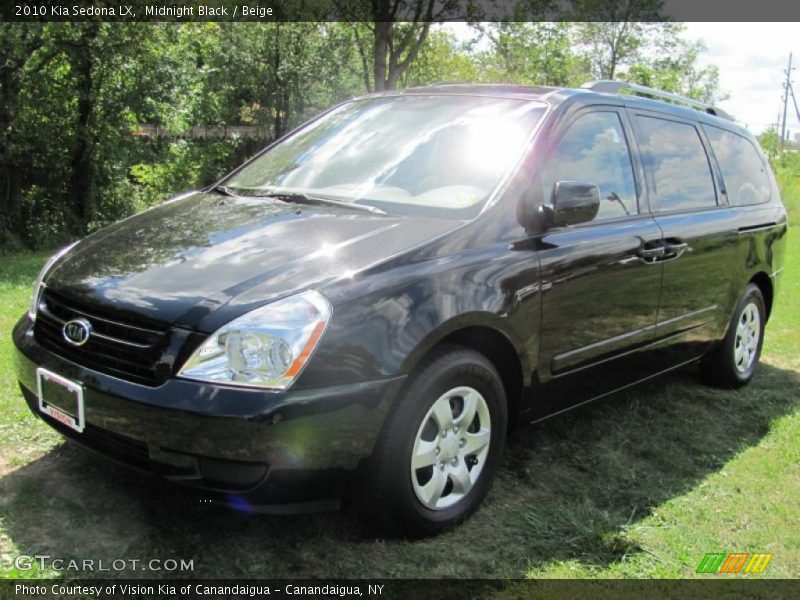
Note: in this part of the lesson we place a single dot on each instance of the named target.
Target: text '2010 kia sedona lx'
(361, 310)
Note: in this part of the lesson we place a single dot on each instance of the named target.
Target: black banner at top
(398, 10)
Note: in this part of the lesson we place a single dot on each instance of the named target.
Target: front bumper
(268, 448)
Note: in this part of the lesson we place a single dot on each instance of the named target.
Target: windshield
(429, 156)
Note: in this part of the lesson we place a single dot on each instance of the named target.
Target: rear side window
(594, 150)
(743, 170)
(674, 154)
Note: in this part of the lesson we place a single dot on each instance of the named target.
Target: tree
(531, 54)
(273, 75)
(443, 59)
(652, 54)
(770, 142)
(17, 44)
(72, 95)
(81, 49)
(398, 30)
(616, 31)
(676, 69)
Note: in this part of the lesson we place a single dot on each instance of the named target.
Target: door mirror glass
(572, 202)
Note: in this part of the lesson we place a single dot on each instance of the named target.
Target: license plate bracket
(60, 399)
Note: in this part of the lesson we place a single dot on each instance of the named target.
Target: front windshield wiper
(304, 198)
(224, 190)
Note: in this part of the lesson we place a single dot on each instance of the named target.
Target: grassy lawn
(640, 486)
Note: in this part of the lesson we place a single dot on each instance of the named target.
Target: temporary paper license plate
(60, 399)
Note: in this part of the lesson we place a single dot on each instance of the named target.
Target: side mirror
(572, 202)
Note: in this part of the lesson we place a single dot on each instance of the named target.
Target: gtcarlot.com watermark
(26, 562)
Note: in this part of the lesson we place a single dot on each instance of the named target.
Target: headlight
(38, 284)
(267, 347)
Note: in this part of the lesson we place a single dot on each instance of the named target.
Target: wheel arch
(764, 283)
(505, 354)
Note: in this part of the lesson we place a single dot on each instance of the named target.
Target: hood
(202, 260)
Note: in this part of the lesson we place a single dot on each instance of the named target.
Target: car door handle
(673, 250)
(664, 251)
(651, 255)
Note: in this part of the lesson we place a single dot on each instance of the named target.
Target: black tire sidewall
(456, 368)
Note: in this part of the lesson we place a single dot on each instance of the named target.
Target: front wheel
(734, 362)
(439, 450)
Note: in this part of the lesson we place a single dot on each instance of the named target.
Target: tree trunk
(612, 63)
(364, 62)
(14, 225)
(277, 116)
(380, 49)
(80, 182)
(11, 191)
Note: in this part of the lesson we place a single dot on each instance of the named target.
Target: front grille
(126, 350)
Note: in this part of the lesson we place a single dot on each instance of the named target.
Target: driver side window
(594, 150)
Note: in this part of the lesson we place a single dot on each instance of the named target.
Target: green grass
(639, 486)
(19, 441)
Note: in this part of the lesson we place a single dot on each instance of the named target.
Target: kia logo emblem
(77, 331)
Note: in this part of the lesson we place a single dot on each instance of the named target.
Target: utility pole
(794, 99)
(786, 87)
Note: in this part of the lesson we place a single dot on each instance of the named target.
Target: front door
(600, 283)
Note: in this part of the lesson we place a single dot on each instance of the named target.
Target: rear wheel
(438, 453)
(734, 362)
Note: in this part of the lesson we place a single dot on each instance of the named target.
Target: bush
(184, 164)
(48, 222)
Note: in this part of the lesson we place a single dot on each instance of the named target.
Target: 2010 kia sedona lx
(362, 309)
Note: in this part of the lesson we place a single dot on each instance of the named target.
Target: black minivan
(363, 309)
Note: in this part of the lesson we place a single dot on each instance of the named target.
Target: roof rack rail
(612, 86)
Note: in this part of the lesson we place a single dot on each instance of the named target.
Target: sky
(752, 59)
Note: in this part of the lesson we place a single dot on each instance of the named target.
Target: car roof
(501, 90)
(555, 96)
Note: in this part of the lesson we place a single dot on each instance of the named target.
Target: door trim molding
(561, 363)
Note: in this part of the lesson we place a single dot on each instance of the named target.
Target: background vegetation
(73, 96)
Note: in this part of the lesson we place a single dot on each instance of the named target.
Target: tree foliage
(532, 54)
(74, 95)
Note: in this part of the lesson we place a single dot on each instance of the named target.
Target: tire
(413, 503)
(733, 363)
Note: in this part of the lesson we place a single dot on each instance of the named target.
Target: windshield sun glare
(419, 155)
